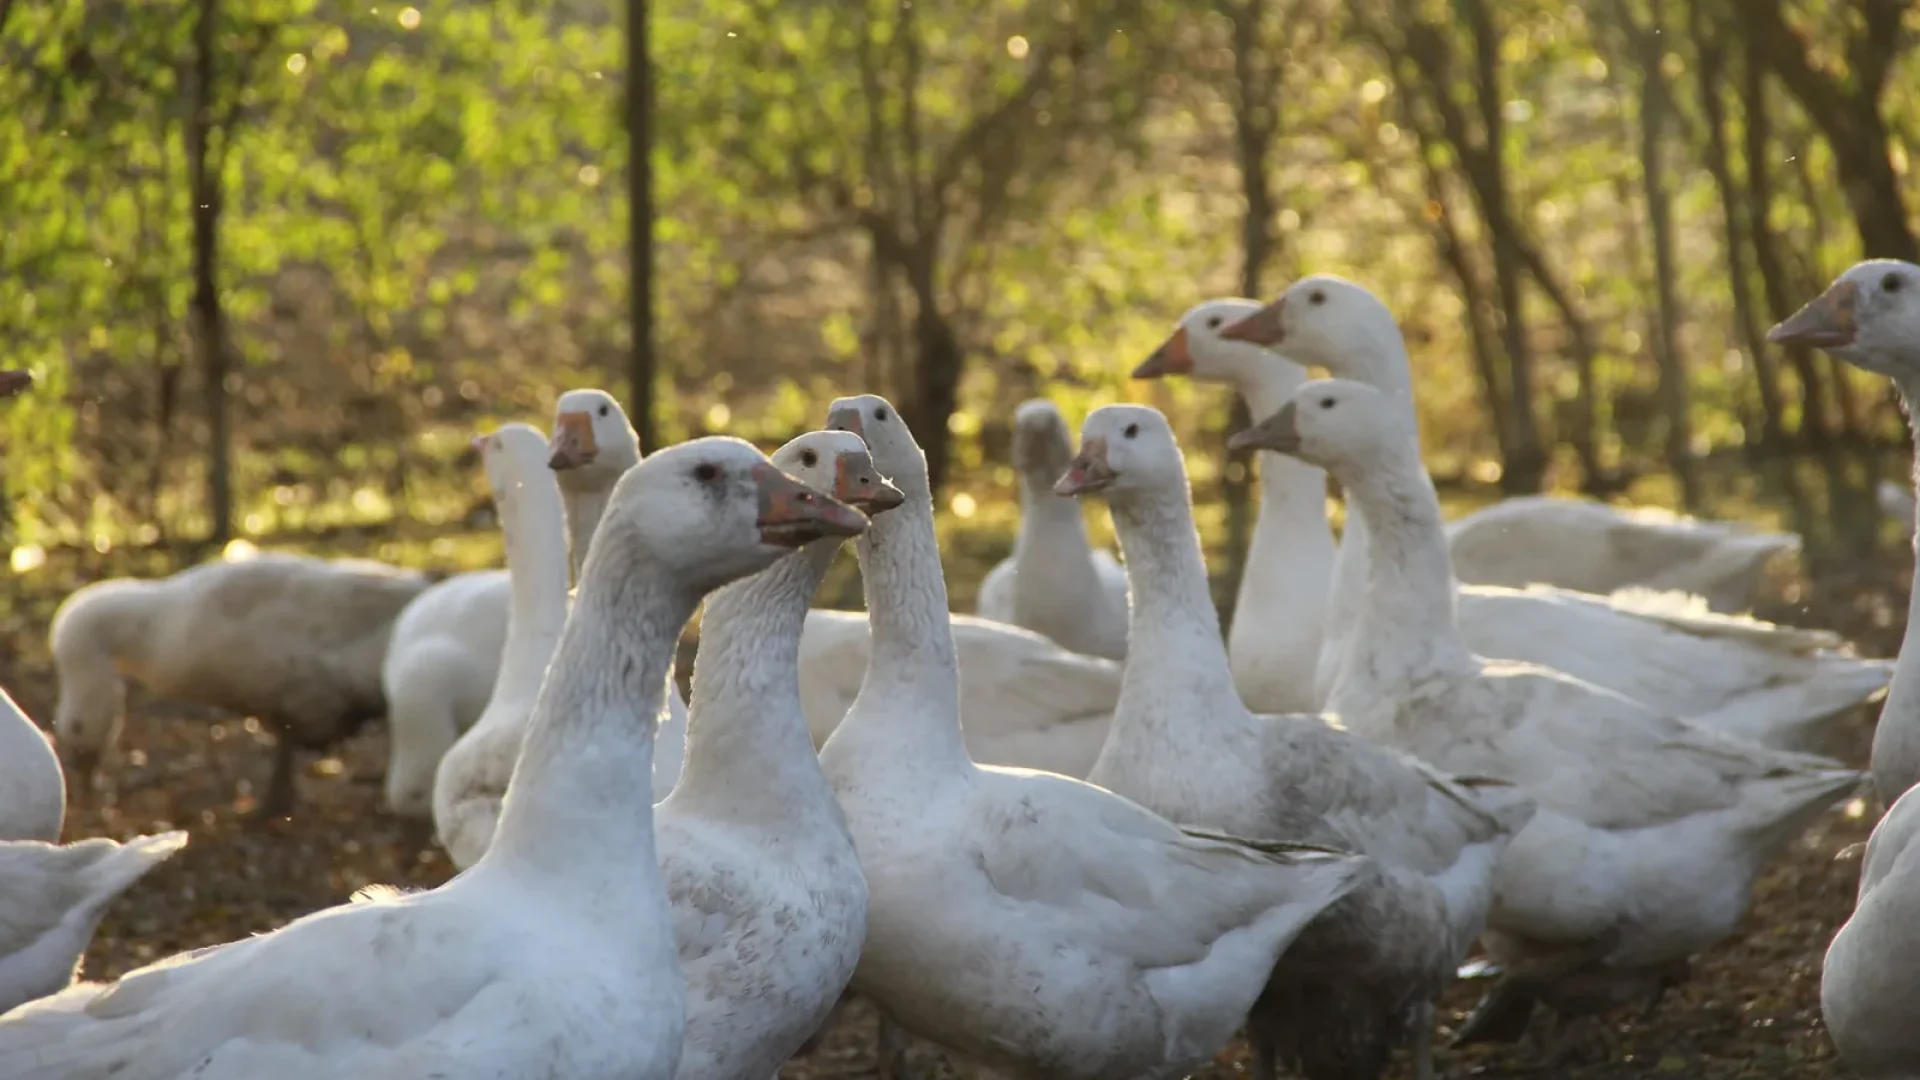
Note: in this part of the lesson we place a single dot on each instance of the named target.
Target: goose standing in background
(554, 955)
(1775, 685)
(1032, 921)
(1363, 977)
(1870, 317)
(1055, 584)
(769, 904)
(1650, 830)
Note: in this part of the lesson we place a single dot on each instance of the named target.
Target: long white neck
(1051, 556)
(1172, 621)
(1406, 624)
(1380, 360)
(536, 541)
(586, 502)
(580, 803)
(1896, 739)
(748, 751)
(912, 661)
(1281, 609)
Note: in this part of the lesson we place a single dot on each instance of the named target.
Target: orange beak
(479, 444)
(857, 483)
(1826, 322)
(1279, 433)
(793, 514)
(1171, 358)
(1088, 472)
(1263, 327)
(572, 444)
(14, 382)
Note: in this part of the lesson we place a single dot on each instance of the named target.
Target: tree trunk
(642, 370)
(1254, 122)
(1710, 72)
(205, 182)
(1656, 106)
(1766, 256)
(939, 361)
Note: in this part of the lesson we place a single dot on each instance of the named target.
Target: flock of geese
(1076, 835)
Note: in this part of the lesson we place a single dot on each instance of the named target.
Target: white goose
(1870, 317)
(554, 955)
(1871, 977)
(1364, 975)
(33, 789)
(1650, 830)
(1074, 933)
(1572, 543)
(769, 905)
(1054, 583)
(472, 776)
(1773, 684)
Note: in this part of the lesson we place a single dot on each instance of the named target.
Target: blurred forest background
(274, 261)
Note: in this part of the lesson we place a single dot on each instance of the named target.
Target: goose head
(14, 382)
(513, 456)
(714, 510)
(1325, 321)
(1198, 349)
(1124, 449)
(1869, 317)
(1042, 443)
(593, 442)
(1332, 423)
(837, 462)
(895, 454)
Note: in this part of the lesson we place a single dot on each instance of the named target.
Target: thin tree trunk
(1710, 71)
(205, 182)
(1254, 122)
(1656, 106)
(642, 366)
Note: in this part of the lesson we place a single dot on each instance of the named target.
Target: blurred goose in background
(1775, 685)
(1055, 583)
(1363, 977)
(1029, 920)
(1870, 317)
(554, 955)
(1650, 830)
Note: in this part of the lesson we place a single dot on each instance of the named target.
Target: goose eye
(1133, 430)
(880, 414)
(1213, 322)
(809, 458)
(1316, 297)
(1891, 283)
(1326, 403)
(606, 410)
(706, 472)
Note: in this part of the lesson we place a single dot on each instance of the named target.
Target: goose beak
(1263, 327)
(1826, 322)
(1089, 470)
(846, 418)
(1279, 433)
(1171, 358)
(572, 444)
(14, 382)
(793, 514)
(478, 443)
(857, 483)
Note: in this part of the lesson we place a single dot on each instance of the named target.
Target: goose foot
(1422, 1049)
(278, 802)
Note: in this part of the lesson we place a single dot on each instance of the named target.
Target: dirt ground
(1751, 1010)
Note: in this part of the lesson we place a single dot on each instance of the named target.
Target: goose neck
(913, 662)
(586, 503)
(748, 748)
(1052, 543)
(1406, 623)
(580, 798)
(1173, 630)
(536, 543)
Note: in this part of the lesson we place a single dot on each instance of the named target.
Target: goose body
(55, 895)
(1363, 975)
(1075, 933)
(1054, 583)
(554, 955)
(33, 789)
(769, 904)
(438, 674)
(1777, 685)
(1871, 977)
(1870, 318)
(296, 642)
(1650, 830)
